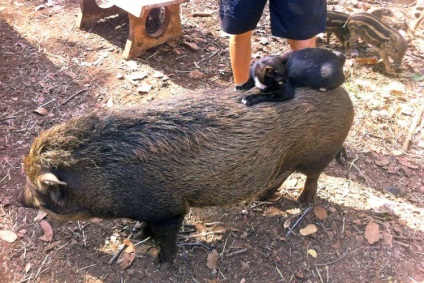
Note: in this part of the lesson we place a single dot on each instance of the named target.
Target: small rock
(396, 191)
(196, 74)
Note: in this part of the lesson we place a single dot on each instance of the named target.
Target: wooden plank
(135, 7)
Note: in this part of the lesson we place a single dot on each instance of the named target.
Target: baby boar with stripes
(152, 162)
(336, 23)
(385, 39)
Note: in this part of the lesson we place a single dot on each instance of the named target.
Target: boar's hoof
(341, 156)
(164, 266)
(306, 197)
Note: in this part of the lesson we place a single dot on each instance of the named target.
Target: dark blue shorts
(292, 19)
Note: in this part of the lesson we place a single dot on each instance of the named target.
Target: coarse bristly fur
(152, 162)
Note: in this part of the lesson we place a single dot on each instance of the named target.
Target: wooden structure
(139, 40)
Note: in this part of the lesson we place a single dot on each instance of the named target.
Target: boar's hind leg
(310, 189)
(165, 234)
(270, 192)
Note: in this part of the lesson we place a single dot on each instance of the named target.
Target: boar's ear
(50, 179)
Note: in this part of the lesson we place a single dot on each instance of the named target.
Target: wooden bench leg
(90, 13)
(139, 40)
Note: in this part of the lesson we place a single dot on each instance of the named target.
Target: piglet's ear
(50, 179)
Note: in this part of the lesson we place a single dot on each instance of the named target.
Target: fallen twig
(119, 252)
(210, 224)
(38, 272)
(201, 14)
(306, 211)
(237, 252)
(319, 274)
(48, 102)
(73, 96)
(207, 233)
(194, 245)
(412, 129)
(281, 275)
(334, 261)
(262, 203)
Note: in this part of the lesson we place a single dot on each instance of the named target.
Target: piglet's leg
(247, 85)
(386, 61)
(286, 93)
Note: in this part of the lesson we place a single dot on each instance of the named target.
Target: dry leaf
(293, 211)
(195, 74)
(129, 255)
(308, 230)
(8, 236)
(27, 267)
(388, 239)
(372, 233)
(320, 212)
(212, 260)
(313, 253)
(158, 74)
(381, 206)
(407, 163)
(193, 46)
(145, 87)
(383, 161)
(290, 183)
(273, 211)
(367, 61)
(21, 233)
(42, 111)
(40, 215)
(299, 274)
(109, 103)
(135, 76)
(132, 65)
(287, 223)
(48, 231)
(72, 75)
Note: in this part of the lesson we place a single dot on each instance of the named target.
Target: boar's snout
(26, 199)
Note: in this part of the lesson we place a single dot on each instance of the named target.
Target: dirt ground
(51, 71)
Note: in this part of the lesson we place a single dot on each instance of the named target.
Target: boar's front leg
(165, 234)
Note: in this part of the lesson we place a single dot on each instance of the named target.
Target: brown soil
(45, 59)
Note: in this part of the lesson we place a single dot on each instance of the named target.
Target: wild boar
(152, 162)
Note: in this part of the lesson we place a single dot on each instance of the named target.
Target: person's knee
(301, 44)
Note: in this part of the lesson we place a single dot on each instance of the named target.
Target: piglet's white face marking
(259, 85)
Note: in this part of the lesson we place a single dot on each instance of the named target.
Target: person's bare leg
(240, 56)
(300, 44)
